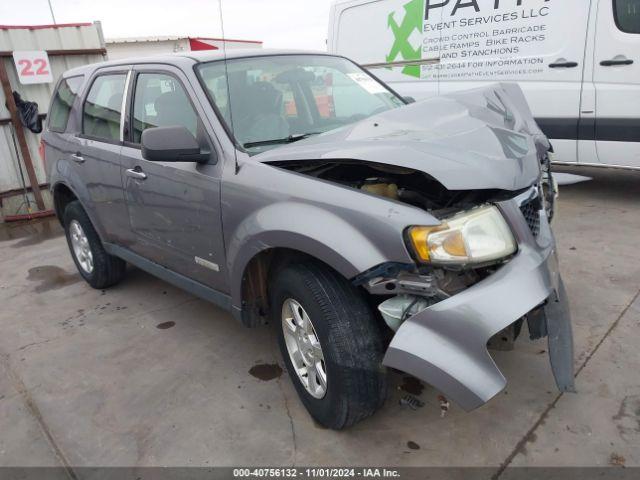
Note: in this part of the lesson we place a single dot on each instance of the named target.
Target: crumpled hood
(477, 139)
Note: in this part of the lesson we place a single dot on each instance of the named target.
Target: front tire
(330, 343)
(97, 267)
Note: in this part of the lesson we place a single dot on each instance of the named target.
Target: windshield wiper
(277, 141)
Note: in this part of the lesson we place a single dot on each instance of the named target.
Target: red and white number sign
(32, 67)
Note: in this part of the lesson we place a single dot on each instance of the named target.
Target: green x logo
(402, 47)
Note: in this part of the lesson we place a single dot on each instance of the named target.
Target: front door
(617, 82)
(174, 207)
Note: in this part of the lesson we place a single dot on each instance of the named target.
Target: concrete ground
(145, 374)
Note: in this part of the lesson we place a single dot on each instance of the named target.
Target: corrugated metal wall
(52, 39)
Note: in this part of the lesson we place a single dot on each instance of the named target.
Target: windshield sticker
(366, 82)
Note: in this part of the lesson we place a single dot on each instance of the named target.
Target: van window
(627, 15)
(101, 112)
(62, 102)
(160, 101)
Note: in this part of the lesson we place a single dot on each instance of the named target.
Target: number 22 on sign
(32, 67)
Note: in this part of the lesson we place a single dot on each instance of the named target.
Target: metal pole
(53, 17)
(22, 141)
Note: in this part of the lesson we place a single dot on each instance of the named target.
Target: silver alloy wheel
(304, 348)
(81, 248)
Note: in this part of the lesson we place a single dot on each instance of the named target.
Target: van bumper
(445, 345)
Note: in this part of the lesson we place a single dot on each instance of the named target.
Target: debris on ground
(444, 405)
(413, 445)
(411, 385)
(617, 460)
(412, 402)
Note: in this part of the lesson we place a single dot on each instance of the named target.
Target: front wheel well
(259, 273)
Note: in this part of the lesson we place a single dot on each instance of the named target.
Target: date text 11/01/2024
(315, 472)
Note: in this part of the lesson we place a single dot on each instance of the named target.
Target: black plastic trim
(196, 288)
(602, 129)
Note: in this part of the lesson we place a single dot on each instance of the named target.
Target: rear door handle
(615, 62)
(563, 65)
(136, 173)
(76, 157)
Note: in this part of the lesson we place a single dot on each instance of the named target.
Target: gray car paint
(478, 140)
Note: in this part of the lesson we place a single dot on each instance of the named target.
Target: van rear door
(617, 82)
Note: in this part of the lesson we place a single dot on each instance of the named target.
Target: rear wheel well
(62, 196)
(258, 275)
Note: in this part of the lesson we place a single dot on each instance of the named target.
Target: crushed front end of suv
(298, 190)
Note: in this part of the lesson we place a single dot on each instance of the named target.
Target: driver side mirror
(171, 144)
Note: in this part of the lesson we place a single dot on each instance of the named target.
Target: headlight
(477, 236)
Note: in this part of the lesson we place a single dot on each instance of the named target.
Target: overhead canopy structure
(142, 46)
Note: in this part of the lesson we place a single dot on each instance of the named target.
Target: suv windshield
(273, 100)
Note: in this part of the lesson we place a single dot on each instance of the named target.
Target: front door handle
(616, 61)
(563, 64)
(76, 157)
(136, 173)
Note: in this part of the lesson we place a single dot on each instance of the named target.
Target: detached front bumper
(446, 344)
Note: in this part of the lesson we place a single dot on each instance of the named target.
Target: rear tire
(347, 332)
(97, 267)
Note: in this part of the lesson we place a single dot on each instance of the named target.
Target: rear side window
(62, 102)
(627, 15)
(160, 101)
(102, 108)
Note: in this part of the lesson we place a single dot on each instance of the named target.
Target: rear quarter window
(62, 103)
(627, 15)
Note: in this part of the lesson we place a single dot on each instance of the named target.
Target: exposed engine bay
(397, 183)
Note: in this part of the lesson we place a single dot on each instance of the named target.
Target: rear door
(617, 82)
(174, 207)
(95, 150)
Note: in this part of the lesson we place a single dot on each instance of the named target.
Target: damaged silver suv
(298, 189)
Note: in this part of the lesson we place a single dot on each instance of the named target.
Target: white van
(577, 61)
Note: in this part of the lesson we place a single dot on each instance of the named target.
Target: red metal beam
(226, 40)
(29, 216)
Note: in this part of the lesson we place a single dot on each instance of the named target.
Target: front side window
(627, 15)
(160, 101)
(62, 102)
(102, 108)
(271, 100)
